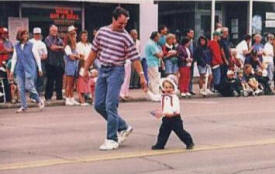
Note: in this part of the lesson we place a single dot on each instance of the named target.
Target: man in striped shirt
(112, 45)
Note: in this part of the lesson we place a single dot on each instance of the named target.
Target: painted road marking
(127, 155)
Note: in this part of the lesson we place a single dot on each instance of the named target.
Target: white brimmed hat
(37, 30)
(71, 28)
(170, 81)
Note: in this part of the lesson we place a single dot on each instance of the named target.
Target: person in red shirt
(217, 60)
(3, 52)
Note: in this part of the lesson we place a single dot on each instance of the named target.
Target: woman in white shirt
(25, 61)
(244, 48)
(83, 48)
(71, 59)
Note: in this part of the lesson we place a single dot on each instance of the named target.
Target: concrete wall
(148, 21)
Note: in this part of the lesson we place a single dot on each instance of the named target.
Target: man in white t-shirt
(268, 57)
(43, 53)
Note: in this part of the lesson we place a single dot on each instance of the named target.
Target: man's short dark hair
(161, 27)
(188, 31)
(153, 35)
(185, 40)
(118, 11)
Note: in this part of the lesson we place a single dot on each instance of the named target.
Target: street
(231, 135)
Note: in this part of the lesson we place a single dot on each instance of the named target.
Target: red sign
(64, 13)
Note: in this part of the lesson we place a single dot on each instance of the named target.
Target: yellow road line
(127, 155)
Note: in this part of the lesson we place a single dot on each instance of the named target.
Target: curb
(62, 103)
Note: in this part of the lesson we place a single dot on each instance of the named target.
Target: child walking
(171, 120)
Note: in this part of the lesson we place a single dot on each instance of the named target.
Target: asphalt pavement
(232, 136)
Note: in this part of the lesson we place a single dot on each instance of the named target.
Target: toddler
(171, 119)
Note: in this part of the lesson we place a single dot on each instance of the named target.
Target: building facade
(241, 17)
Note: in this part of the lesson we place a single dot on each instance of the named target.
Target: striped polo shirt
(113, 48)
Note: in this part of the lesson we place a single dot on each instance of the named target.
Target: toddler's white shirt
(170, 104)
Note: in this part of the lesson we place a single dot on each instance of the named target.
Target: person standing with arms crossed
(112, 46)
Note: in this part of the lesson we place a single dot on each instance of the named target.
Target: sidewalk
(136, 95)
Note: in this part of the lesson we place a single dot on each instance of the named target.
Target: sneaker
(192, 93)
(68, 102)
(33, 100)
(41, 105)
(209, 92)
(188, 94)
(203, 92)
(183, 94)
(75, 102)
(109, 145)
(155, 147)
(21, 110)
(84, 104)
(123, 135)
(190, 146)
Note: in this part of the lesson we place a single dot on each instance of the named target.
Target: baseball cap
(216, 33)
(71, 28)
(37, 30)
(5, 30)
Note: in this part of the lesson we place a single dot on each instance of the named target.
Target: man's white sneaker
(109, 145)
(21, 109)
(68, 102)
(41, 105)
(122, 135)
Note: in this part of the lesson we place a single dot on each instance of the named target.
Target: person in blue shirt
(258, 46)
(163, 30)
(153, 56)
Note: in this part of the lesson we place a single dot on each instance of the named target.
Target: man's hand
(143, 83)
(40, 73)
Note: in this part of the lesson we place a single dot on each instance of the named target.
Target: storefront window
(100, 14)
(264, 15)
(181, 16)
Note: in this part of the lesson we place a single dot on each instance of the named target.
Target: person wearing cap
(25, 62)
(268, 57)
(171, 121)
(54, 64)
(43, 53)
(112, 46)
(217, 61)
(71, 58)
